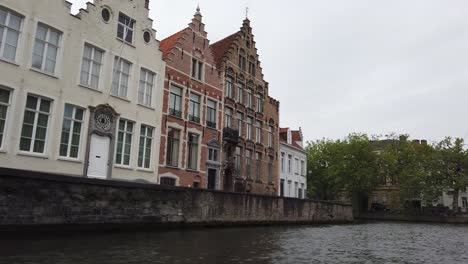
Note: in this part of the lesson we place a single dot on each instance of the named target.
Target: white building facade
(80, 95)
(446, 199)
(293, 164)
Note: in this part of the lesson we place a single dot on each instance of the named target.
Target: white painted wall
(63, 87)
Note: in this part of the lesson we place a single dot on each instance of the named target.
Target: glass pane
(3, 112)
(74, 152)
(129, 127)
(3, 15)
(68, 112)
(49, 66)
(31, 102)
(45, 106)
(15, 22)
(41, 32)
(87, 52)
(122, 125)
(98, 55)
(26, 131)
(79, 114)
(66, 125)
(41, 133)
(75, 140)
(77, 128)
(4, 96)
(25, 144)
(54, 37)
(39, 146)
(64, 138)
(63, 150)
(29, 117)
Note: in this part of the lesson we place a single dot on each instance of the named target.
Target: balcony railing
(194, 119)
(231, 135)
(175, 113)
(211, 124)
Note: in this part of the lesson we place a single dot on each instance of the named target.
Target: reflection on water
(366, 243)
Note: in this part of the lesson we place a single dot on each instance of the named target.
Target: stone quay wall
(37, 199)
(415, 217)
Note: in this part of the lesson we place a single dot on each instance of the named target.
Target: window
(35, 123)
(259, 105)
(121, 77)
(240, 94)
(289, 163)
(240, 117)
(242, 60)
(296, 165)
(4, 105)
(248, 157)
(124, 142)
(125, 28)
(228, 117)
(303, 168)
(144, 149)
(10, 26)
(282, 187)
(289, 188)
(46, 47)
(296, 185)
(175, 101)
(91, 66)
(192, 146)
(166, 181)
(197, 69)
(282, 161)
(71, 131)
(252, 67)
(213, 154)
(173, 141)
(249, 98)
(211, 113)
(229, 87)
(270, 136)
(249, 127)
(258, 158)
(194, 108)
(270, 169)
(145, 90)
(258, 132)
(302, 192)
(238, 160)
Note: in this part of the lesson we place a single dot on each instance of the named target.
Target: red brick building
(192, 111)
(250, 116)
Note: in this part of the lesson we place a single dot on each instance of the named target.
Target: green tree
(450, 167)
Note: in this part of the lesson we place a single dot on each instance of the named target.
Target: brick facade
(241, 75)
(179, 51)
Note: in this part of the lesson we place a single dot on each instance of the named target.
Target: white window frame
(270, 136)
(36, 112)
(73, 121)
(258, 131)
(249, 127)
(126, 28)
(145, 87)
(93, 63)
(117, 88)
(195, 107)
(189, 149)
(283, 157)
(45, 51)
(6, 30)
(197, 69)
(240, 118)
(125, 132)
(240, 93)
(228, 117)
(6, 121)
(229, 86)
(145, 136)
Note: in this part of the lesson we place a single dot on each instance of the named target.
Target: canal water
(360, 243)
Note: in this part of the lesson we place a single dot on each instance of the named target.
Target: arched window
(167, 181)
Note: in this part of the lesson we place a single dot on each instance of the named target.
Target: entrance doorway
(98, 157)
(212, 179)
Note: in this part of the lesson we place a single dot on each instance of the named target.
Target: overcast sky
(341, 66)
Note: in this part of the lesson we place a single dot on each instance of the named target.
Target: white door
(98, 157)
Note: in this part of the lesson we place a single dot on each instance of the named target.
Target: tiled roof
(284, 130)
(221, 47)
(296, 135)
(168, 43)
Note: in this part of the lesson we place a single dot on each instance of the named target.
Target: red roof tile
(168, 43)
(221, 47)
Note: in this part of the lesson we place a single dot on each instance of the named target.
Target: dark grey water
(365, 243)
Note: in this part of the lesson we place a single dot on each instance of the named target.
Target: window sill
(192, 170)
(195, 123)
(90, 88)
(122, 167)
(32, 154)
(145, 170)
(172, 167)
(9, 61)
(196, 80)
(123, 41)
(146, 106)
(176, 117)
(121, 98)
(44, 73)
(212, 128)
(70, 159)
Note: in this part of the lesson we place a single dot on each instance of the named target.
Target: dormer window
(125, 28)
(197, 69)
(242, 60)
